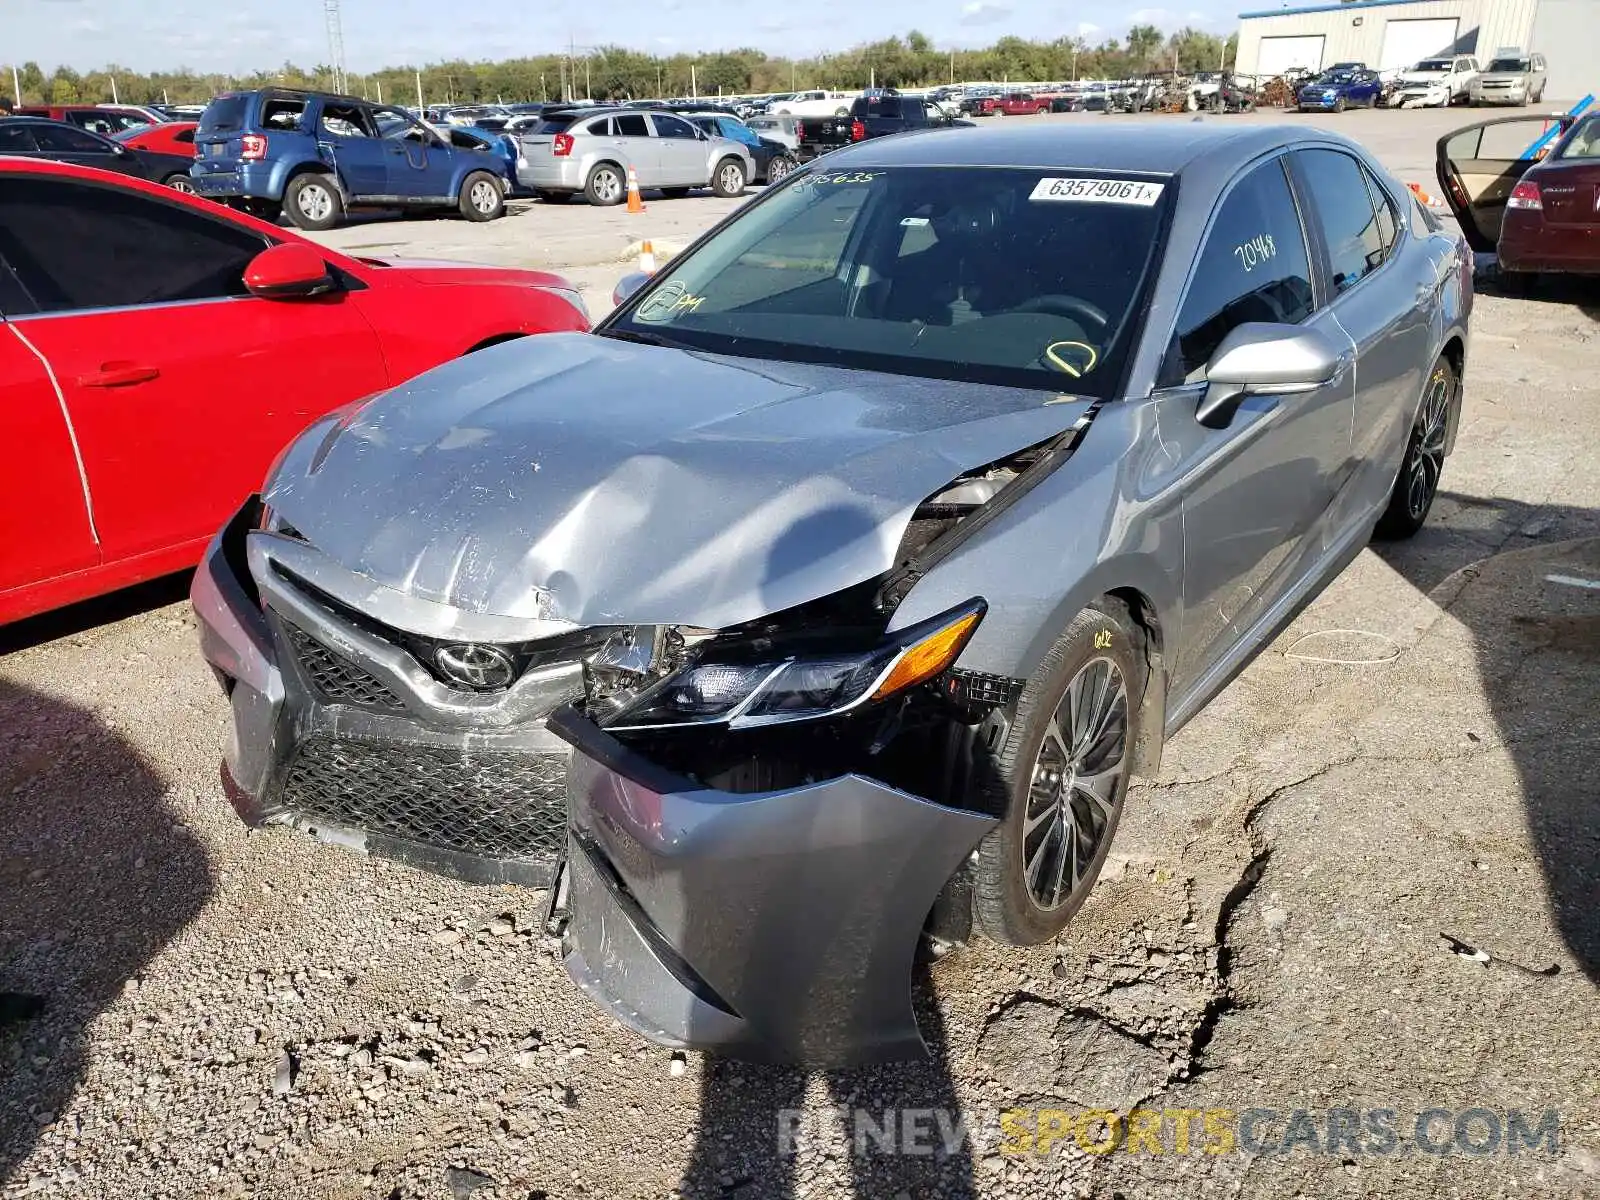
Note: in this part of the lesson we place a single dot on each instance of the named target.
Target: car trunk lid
(1570, 195)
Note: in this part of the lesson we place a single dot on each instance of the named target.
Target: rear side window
(76, 246)
(1344, 211)
(282, 114)
(632, 125)
(1254, 266)
(224, 114)
(1384, 207)
(184, 137)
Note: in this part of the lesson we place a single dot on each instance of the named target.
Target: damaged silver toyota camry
(830, 593)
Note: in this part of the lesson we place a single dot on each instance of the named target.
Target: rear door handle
(118, 374)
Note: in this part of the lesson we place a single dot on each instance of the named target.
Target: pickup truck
(870, 117)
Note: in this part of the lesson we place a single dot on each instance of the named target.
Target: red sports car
(157, 350)
(169, 137)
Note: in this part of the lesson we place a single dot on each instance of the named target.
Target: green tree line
(616, 72)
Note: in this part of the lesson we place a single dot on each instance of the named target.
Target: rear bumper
(334, 734)
(550, 174)
(255, 181)
(775, 926)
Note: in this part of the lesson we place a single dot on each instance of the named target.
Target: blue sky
(235, 36)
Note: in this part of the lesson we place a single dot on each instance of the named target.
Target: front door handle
(118, 374)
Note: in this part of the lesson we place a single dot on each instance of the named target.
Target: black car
(39, 137)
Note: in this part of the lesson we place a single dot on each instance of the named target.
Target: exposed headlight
(748, 693)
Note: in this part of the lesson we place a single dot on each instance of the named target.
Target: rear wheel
(313, 201)
(606, 185)
(1418, 481)
(728, 180)
(482, 198)
(1060, 778)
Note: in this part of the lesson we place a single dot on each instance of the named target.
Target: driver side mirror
(628, 285)
(1263, 359)
(288, 271)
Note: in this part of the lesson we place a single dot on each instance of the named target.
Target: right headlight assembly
(746, 692)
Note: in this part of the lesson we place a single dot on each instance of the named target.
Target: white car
(818, 103)
(1435, 82)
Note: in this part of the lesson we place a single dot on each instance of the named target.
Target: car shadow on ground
(97, 875)
(1535, 630)
(89, 615)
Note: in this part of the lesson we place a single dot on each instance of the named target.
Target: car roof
(30, 119)
(1164, 148)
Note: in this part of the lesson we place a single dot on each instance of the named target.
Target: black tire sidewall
(291, 205)
(468, 209)
(1002, 907)
(1397, 520)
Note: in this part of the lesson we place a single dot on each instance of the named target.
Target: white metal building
(1396, 33)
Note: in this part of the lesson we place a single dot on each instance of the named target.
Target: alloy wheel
(607, 186)
(1076, 774)
(732, 179)
(182, 183)
(779, 169)
(315, 202)
(484, 196)
(1427, 441)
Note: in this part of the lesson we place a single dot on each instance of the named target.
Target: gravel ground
(231, 1013)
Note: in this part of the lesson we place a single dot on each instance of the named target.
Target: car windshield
(1337, 77)
(1432, 66)
(1511, 65)
(1027, 277)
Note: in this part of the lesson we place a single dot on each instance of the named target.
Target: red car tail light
(563, 145)
(858, 131)
(253, 147)
(1526, 195)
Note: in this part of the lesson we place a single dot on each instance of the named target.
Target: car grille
(338, 679)
(488, 803)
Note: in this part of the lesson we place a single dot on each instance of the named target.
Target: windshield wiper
(643, 337)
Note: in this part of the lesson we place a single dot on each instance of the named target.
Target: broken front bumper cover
(337, 730)
(776, 926)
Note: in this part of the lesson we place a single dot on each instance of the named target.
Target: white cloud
(1087, 29)
(984, 12)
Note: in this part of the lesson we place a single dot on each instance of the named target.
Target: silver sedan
(860, 557)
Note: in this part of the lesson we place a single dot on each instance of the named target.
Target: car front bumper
(338, 731)
(775, 926)
(1500, 96)
(1318, 101)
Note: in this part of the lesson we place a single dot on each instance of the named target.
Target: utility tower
(330, 10)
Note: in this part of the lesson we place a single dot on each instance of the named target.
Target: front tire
(180, 182)
(1060, 778)
(482, 197)
(779, 169)
(1418, 482)
(1339, 105)
(313, 201)
(729, 179)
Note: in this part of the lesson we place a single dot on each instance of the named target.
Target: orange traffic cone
(1427, 200)
(647, 258)
(635, 202)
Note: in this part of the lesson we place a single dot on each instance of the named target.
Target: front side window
(63, 139)
(672, 127)
(1254, 266)
(77, 246)
(1344, 211)
(998, 275)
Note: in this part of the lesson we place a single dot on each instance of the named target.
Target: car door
(1258, 492)
(67, 144)
(419, 165)
(47, 531)
(346, 133)
(180, 386)
(1478, 167)
(1383, 302)
(636, 144)
(684, 158)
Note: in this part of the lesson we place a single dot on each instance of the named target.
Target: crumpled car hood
(598, 481)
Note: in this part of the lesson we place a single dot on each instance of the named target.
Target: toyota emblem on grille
(476, 666)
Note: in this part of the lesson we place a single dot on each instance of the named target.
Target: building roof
(1349, 6)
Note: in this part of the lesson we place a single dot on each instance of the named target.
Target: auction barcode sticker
(1099, 191)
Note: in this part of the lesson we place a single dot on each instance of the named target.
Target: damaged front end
(766, 819)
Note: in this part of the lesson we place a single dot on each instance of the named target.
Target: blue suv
(313, 156)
